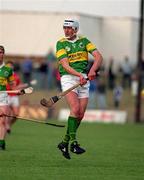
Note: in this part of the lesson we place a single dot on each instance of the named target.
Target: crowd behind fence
(114, 77)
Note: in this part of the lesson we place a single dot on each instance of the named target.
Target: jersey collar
(2, 65)
(73, 41)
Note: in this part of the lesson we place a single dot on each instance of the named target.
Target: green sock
(72, 127)
(2, 141)
(78, 124)
(67, 136)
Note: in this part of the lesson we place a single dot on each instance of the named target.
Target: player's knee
(75, 112)
(81, 115)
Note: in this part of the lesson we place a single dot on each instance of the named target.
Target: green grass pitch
(114, 152)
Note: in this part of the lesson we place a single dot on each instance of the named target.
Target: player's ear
(76, 30)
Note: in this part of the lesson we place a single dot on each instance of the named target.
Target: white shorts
(13, 101)
(67, 81)
(3, 99)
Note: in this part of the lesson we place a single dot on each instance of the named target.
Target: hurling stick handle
(10, 91)
(70, 89)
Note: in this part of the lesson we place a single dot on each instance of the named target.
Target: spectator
(126, 73)
(57, 78)
(43, 74)
(27, 70)
(111, 74)
(101, 94)
(51, 63)
(17, 67)
(134, 83)
(92, 94)
(142, 73)
(117, 95)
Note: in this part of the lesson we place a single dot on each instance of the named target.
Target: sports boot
(75, 148)
(63, 147)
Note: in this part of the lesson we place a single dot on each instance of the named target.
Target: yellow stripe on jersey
(60, 53)
(90, 47)
(63, 39)
(3, 81)
(75, 60)
(78, 56)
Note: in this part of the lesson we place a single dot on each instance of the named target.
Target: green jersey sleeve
(60, 51)
(90, 46)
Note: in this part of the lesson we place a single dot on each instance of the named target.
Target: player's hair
(2, 48)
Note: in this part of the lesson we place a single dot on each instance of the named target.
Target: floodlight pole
(139, 64)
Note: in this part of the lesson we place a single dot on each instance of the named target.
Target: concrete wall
(91, 27)
(30, 33)
(120, 38)
(27, 33)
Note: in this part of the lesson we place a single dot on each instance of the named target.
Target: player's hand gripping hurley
(49, 103)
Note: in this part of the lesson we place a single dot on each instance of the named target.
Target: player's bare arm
(96, 65)
(19, 90)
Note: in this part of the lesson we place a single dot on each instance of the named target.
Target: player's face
(1, 55)
(69, 32)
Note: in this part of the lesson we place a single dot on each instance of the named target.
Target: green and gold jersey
(76, 52)
(6, 76)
